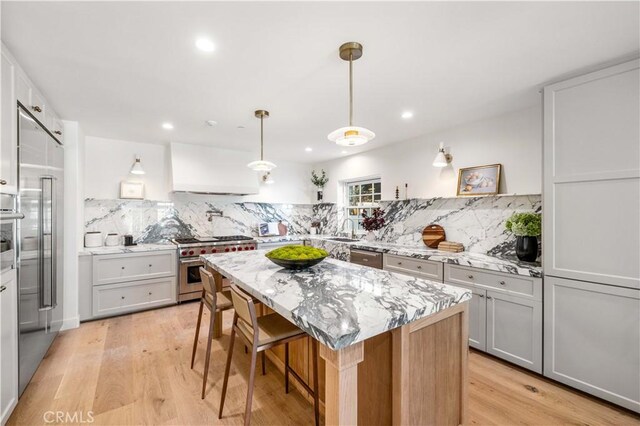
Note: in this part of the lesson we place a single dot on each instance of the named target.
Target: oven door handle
(185, 261)
(11, 215)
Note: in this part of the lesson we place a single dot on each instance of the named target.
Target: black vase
(319, 195)
(527, 248)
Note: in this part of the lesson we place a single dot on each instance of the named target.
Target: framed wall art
(132, 190)
(479, 180)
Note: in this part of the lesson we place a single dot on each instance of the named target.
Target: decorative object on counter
(296, 257)
(319, 181)
(261, 165)
(282, 229)
(397, 193)
(268, 229)
(442, 158)
(450, 246)
(112, 239)
(128, 240)
(92, 239)
(479, 180)
(432, 235)
(351, 135)
(406, 191)
(136, 168)
(526, 227)
(372, 223)
(132, 190)
(315, 225)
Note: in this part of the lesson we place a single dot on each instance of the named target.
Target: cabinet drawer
(366, 258)
(114, 268)
(416, 267)
(113, 299)
(514, 284)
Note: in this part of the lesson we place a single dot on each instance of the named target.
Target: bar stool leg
(227, 368)
(316, 396)
(195, 339)
(252, 378)
(264, 362)
(286, 367)
(208, 354)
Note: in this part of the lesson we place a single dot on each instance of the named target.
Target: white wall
(73, 218)
(513, 140)
(108, 162)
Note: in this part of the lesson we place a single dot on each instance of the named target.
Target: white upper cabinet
(8, 146)
(592, 177)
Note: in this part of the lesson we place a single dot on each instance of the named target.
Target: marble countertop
(336, 302)
(87, 251)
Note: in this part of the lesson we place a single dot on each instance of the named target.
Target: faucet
(353, 227)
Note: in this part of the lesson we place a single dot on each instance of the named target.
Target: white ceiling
(121, 69)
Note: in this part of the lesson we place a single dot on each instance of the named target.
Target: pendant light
(261, 165)
(351, 135)
(136, 168)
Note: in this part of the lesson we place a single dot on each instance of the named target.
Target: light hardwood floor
(134, 370)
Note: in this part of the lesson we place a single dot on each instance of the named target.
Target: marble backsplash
(157, 221)
(476, 222)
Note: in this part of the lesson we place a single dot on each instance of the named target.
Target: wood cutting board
(432, 235)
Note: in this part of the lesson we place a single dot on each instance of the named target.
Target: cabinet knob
(470, 277)
(419, 266)
(123, 267)
(399, 263)
(489, 298)
(150, 293)
(36, 108)
(3, 288)
(481, 296)
(57, 132)
(3, 182)
(503, 283)
(122, 297)
(150, 265)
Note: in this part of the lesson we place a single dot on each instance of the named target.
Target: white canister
(93, 239)
(112, 240)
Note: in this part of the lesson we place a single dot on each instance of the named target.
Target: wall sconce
(442, 159)
(267, 179)
(136, 168)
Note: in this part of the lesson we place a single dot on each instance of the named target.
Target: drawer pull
(57, 132)
(503, 283)
(122, 297)
(36, 108)
(3, 288)
(399, 263)
(3, 182)
(150, 293)
(419, 266)
(470, 277)
(489, 298)
(365, 260)
(481, 296)
(150, 265)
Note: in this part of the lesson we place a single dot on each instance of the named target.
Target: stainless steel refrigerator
(39, 248)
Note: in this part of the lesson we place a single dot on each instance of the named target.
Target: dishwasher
(367, 258)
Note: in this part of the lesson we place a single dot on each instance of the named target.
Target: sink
(343, 240)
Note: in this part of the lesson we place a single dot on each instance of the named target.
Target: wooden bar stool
(261, 334)
(215, 301)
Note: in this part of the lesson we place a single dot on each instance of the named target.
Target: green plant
(319, 181)
(525, 224)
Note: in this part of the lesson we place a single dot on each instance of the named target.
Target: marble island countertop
(336, 302)
(87, 251)
(475, 260)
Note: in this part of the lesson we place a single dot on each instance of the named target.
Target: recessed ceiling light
(167, 126)
(308, 149)
(211, 123)
(204, 44)
(407, 114)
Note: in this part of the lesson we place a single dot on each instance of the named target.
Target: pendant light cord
(350, 89)
(261, 138)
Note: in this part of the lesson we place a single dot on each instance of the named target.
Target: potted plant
(319, 181)
(372, 223)
(526, 227)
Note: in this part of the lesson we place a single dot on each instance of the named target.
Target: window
(361, 196)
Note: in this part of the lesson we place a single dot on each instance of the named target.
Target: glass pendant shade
(351, 136)
(137, 169)
(261, 166)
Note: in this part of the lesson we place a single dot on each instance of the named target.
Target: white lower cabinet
(113, 299)
(8, 344)
(514, 329)
(592, 339)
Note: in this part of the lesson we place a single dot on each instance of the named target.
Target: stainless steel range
(189, 263)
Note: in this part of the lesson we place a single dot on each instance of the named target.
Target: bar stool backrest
(244, 307)
(208, 282)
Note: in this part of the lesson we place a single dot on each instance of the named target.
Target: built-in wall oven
(189, 262)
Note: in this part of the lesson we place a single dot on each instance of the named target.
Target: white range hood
(207, 170)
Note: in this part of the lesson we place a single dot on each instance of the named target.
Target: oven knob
(227, 249)
(240, 248)
(184, 252)
(214, 251)
(190, 252)
(252, 248)
(203, 251)
(233, 249)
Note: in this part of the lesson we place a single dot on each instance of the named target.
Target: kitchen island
(394, 346)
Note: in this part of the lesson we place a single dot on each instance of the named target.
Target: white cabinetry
(420, 268)
(591, 233)
(8, 145)
(8, 344)
(505, 313)
(127, 282)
